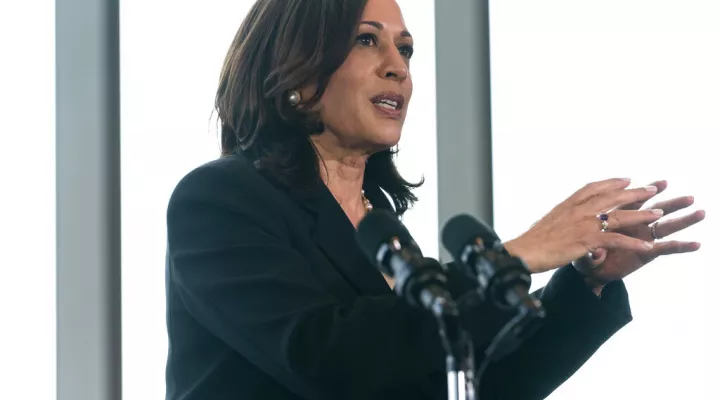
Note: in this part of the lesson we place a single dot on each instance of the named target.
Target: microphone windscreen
(464, 229)
(378, 227)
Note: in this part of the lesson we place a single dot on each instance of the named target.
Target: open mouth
(389, 101)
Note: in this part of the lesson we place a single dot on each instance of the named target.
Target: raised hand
(606, 265)
(573, 228)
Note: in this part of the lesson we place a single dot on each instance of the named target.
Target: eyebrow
(380, 26)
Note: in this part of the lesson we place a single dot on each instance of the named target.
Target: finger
(623, 218)
(595, 257)
(591, 260)
(613, 240)
(598, 255)
(676, 204)
(660, 185)
(667, 228)
(623, 197)
(675, 247)
(595, 188)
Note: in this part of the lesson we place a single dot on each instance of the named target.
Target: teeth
(389, 104)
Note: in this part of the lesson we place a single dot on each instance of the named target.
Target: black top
(270, 297)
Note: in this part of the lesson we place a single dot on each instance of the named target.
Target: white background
(171, 57)
(587, 90)
(27, 199)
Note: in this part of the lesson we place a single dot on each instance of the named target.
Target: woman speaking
(268, 293)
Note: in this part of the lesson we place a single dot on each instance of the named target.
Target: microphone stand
(504, 281)
(426, 283)
(462, 379)
(460, 360)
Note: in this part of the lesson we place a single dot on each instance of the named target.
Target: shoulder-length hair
(283, 45)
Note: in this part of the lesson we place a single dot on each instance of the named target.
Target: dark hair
(283, 45)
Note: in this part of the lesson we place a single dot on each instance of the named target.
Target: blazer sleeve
(239, 276)
(577, 323)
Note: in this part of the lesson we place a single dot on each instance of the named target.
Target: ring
(653, 231)
(603, 218)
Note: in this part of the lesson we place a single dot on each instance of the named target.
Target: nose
(394, 66)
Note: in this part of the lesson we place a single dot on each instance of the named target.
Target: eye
(366, 39)
(406, 51)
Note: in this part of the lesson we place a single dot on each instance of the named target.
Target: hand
(606, 265)
(572, 229)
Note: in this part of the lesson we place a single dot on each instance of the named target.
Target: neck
(343, 172)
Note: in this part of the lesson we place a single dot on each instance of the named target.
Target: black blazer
(269, 297)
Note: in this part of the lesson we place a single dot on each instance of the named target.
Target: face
(365, 103)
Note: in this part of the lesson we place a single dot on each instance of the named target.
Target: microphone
(421, 282)
(503, 279)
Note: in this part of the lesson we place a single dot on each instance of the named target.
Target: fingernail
(649, 245)
(651, 189)
(658, 212)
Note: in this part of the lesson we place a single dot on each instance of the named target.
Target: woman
(269, 296)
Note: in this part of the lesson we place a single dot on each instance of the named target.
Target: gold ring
(603, 218)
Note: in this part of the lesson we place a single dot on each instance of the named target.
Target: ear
(306, 93)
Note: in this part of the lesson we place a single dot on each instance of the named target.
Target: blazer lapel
(334, 234)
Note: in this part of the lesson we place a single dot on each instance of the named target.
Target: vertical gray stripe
(88, 200)
(463, 113)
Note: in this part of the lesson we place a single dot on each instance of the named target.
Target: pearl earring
(294, 98)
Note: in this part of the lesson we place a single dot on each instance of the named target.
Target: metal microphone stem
(459, 361)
